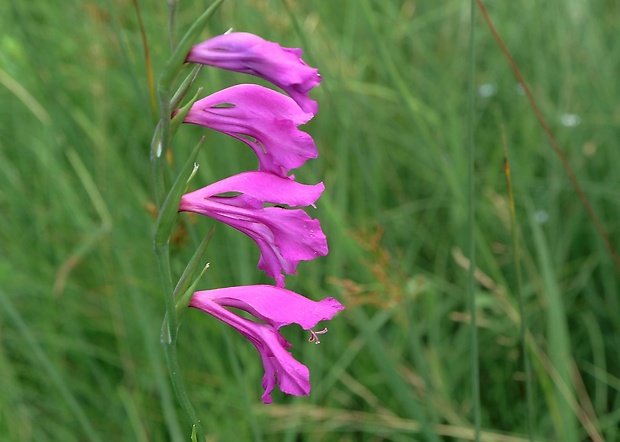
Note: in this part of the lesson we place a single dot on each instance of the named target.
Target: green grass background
(80, 304)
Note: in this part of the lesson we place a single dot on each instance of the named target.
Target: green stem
(523, 328)
(169, 336)
(161, 140)
(159, 147)
(157, 165)
(173, 6)
(471, 286)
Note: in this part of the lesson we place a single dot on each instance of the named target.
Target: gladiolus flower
(268, 117)
(276, 307)
(284, 236)
(250, 54)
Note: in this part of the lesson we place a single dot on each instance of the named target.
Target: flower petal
(284, 236)
(293, 236)
(268, 117)
(265, 187)
(280, 366)
(277, 307)
(250, 54)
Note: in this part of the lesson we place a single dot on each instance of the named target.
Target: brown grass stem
(554, 142)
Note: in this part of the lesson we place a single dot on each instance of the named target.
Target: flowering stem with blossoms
(265, 205)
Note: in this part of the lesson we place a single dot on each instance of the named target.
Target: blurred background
(80, 304)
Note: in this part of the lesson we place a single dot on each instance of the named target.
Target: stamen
(314, 338)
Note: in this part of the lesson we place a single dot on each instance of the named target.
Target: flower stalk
(161, 243)
(265, 204)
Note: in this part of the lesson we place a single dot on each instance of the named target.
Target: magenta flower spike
(276, 307)
(250, 54)
(269, 118)
(284, 236)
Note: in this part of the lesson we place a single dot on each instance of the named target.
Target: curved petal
(250, 54)
(277, 306)
(268, 117)
(265, 187)
(280, 367)
(284, 236)
(292, 235)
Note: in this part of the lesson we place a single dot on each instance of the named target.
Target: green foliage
(80, 305)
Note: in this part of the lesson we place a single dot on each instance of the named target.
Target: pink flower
(268, 117)
(250, 54)
(284, 236)
(276, 307)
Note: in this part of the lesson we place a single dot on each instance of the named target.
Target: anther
(314, 338)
